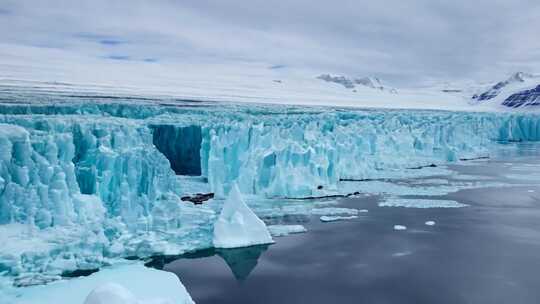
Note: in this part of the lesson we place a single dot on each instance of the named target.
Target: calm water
(486, 253)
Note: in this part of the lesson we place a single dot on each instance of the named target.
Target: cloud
(118, 57)
(401, 41)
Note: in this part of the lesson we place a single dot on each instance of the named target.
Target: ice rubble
(420, 203)
(237, 225)
(89, 182)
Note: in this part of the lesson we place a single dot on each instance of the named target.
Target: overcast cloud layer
(402, 41)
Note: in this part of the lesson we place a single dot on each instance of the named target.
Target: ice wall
(91, 182)
(293, 155)
(94, 188)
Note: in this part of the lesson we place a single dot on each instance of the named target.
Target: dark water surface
(488, 252)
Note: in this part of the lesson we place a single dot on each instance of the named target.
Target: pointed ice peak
(237, 225)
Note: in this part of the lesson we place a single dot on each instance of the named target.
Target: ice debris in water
(334, 218)
(420, 203)
(430, 223)
(400, 227)
(237, 225)
(283, 230)
(334, 211)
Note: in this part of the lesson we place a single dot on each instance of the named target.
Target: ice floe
(420, 203)
(334, 218)
(283, 230)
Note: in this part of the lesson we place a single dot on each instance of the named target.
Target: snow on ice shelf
(98, 180)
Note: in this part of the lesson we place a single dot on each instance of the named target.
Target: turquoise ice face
(108, 178)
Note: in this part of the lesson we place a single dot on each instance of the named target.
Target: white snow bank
(326, 218)
(237, 225)
(123, 284)
(420, 203)
(283, 230)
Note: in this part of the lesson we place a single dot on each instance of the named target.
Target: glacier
(85, 181)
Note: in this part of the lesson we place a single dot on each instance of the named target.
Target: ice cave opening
(182, 147)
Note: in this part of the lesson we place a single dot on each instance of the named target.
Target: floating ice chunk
(334, 211)
(334, 218)
(430, 223)
(363, 211)
(420, 203)
(400, 227)
(237, 225)
(283, 230)
(401, 254)
(121, 284)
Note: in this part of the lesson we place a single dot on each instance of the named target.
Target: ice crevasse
(82, 183)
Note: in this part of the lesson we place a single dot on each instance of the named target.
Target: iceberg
(238, 226)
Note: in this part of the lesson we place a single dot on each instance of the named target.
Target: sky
(403, 42)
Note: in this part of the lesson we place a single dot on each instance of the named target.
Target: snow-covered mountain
(519, 90)
(369, 82)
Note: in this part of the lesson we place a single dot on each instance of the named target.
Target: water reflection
(241, 261)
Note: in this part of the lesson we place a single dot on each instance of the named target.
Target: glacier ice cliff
(85, 181)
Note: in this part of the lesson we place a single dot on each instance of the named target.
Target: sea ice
(283, 230)
(420, 203)
(334, 218)
(430, 223)
(120, 284)
(400, 227)
(237, 225)
(334, 211)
